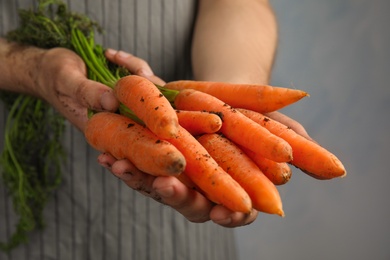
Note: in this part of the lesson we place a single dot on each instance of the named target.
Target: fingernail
(225, 221)
(108, 101)
(111, 52)
(166, 192)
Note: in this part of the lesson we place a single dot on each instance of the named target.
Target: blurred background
(339, 52)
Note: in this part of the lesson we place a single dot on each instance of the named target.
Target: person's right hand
(61, 80)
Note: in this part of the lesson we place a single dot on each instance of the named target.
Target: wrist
(20, 65)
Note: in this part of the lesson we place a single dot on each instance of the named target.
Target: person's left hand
(170, 191)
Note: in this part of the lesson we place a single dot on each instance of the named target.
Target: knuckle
(142, 63)
(81, 92)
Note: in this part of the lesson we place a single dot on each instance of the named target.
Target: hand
(62, 82)
(170, 191)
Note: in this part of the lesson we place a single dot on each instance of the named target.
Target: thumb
(96, 96)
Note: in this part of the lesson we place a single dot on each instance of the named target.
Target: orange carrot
(208, 176)
(199, 122)
(265, 197)
(261, 98)
(124, 138)
(277, 173)
(236, 126)
(147, 102)
(308, 156)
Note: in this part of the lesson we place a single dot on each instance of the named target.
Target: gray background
(338, 51)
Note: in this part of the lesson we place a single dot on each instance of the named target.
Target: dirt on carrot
(265, 196)
(236, 126)
(147, 102)
(123, 138)
(208, 176)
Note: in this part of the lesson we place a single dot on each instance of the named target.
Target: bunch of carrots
(211, 135)
(214, 137)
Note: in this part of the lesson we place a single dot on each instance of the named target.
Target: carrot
(265, 197)
(308, 156)
(199, 122)
(236, 126)
(261, 98)
(147, 102)
(277, 173)
(124, 138)
(208, 176)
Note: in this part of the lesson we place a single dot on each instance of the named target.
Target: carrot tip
(344, 175)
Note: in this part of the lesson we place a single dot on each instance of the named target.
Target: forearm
(18, 65)
(234, 41)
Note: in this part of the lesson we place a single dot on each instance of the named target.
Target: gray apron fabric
(93, 215)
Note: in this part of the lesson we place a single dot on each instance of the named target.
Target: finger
(134, 64)
(168, 190)
(134, 178)
(106, 160)
(95, 95)
(227, 218)
(88, 93)
(190, 203)
(77, 87)
(288, 121)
